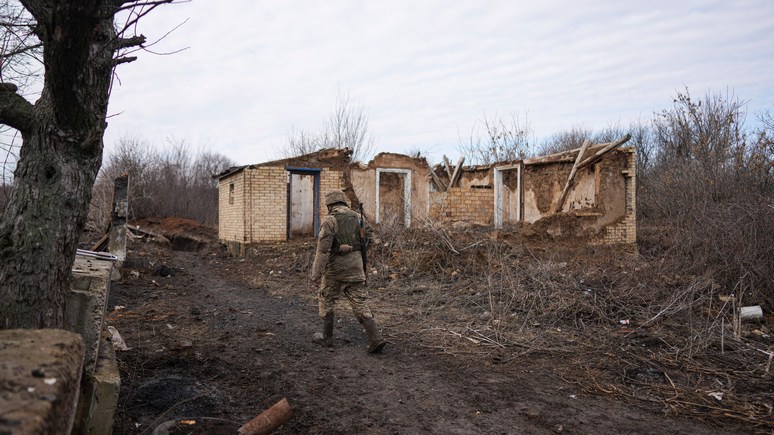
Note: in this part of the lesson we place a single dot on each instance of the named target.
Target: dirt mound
(183, 234)
(562, 227)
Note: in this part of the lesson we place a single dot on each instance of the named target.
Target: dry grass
(626, 325)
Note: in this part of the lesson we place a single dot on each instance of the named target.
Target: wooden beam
(435, 178)
(564, 158)
(447, 165)
(571, 178)
(599, 154)
(457, 172)
(102, 243)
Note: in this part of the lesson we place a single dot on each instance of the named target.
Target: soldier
(338, 270)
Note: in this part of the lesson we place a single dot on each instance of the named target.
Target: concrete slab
(86, 303)
(40, 373)
(99, 394)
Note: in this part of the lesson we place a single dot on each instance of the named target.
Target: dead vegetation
(173, 181)
(614, 323)
(610, 323)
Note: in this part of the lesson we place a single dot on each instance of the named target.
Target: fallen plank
(447, 166)
(457, 172)
(437, 180)
(571, 178)
(143, 232)
(102, 243)
(599, 154)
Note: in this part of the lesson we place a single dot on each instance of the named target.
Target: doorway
(507, 195)
(303, 202)
(393, 196)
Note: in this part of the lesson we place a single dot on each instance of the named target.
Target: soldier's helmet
(335, 196)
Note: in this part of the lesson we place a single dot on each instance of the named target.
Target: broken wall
(396, 189)
(470, 200)
(474, 205)
(395, 173)
(624, 230)
(602, 197)
(600, 205)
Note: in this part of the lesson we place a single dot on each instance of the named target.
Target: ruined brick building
(586, 193)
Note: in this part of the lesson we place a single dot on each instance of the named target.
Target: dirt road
(228, 337)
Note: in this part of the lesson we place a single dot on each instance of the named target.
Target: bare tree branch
(15, 111)
(129, 42)
(20, 50)
(123, 5)
(145, 9)
(501, 140)
(347, 127)
(126, 59)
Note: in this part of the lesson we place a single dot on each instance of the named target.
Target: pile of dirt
(183, 234)
(565, 227)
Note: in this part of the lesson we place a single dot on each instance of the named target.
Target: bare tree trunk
(40, 228)
(59, 159)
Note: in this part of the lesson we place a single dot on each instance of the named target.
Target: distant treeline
(171, 181)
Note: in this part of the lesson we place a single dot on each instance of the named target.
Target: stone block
(40, 371)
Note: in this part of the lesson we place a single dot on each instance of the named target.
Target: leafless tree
(495, 139)
(709, 187)
(62, 135)
(644, 144)
(302, 142)
(566, 140)
(174, 180)
(347, 127)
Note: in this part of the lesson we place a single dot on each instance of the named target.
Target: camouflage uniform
(339, 266)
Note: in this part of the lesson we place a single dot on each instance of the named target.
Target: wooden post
(457, 172)
(571, 178)
(599, 154)
(435, 178)
(447, 165)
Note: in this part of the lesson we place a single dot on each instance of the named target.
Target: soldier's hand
(314, 284)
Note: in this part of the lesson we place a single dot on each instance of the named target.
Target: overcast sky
(427, 70)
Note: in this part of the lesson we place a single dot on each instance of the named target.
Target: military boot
(375, 341)
(325, 338)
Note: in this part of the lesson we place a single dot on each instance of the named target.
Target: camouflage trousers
(355, 292)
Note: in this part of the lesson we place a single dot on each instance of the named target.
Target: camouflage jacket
(346, 267)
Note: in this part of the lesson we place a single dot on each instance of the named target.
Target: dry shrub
(710, 193)
(175, 181)
(616, 318)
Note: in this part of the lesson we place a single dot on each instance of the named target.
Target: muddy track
(205, 342)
